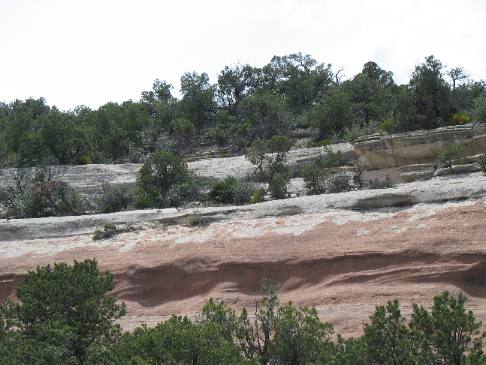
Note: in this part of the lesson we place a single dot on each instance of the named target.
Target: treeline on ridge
(290, 92)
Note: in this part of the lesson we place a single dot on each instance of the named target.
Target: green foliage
(266, 115)
(231, 191)
(315, 176)
(165, 181)
(256, 154)
(479, 111)
(482, 162)
(371, 92)
(450, 153)
(387, 339)
(246, 103)
(67, 310)
(278, 185)
(300, 337)
(178, 341)
(388, 126)
(426, 101)
(258, 196)
(448, 332)
(356, 131)
(270, 158)
(182, 132)
(64, 316)
(39, 194)
(115, 198)
(338, 183)
(331, 115)
(461, 118)
(197, 103)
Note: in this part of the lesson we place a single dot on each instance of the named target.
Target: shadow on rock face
(389, 200)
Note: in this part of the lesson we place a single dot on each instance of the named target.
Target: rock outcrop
(343, 253)
(418, 147)
(88, 179)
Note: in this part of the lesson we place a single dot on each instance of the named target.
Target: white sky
(92, 51)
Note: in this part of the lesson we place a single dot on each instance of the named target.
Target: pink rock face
(340, 261)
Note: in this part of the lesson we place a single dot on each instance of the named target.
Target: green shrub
(115, 198)
(339, 182)
(258, 196)
(231, 191)
(480, 109)
(182, 132)
(482, 162)
(164, 181)
(223, 191)
(388, 126)
(451, 153)
(278, 185)
(331, 158)
(40, 195)
(461, 118)
(357, 131)
(315, 176)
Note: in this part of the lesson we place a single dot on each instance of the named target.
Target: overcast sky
(92, 51)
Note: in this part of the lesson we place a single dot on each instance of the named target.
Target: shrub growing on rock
(165, 181)
(258, 196)
(315, 176)
(231, 191)
(278, 185)
(452, 153)
(482, 162)
(115, 198)
(40, 195)
(338, 183)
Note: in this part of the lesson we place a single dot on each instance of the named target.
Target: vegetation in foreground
(65, 315)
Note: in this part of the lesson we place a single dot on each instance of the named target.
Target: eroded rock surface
(343, 253)
(418, 147)
(88, 179)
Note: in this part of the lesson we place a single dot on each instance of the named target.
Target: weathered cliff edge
(343, 253)
(418, 147)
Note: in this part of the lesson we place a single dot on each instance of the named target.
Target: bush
(182, 132)
(315, 176)
(337, 183)
(258, 196)
(482, 162)
(231, 191)
(461, 118)
(331, 158)
(451, 153)
(480, 109)
(256, 154)
(164, 181)
(66, 310)
(278, 185)
(357, 131)
(388, 126)
(115, 198)
(40, 195)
